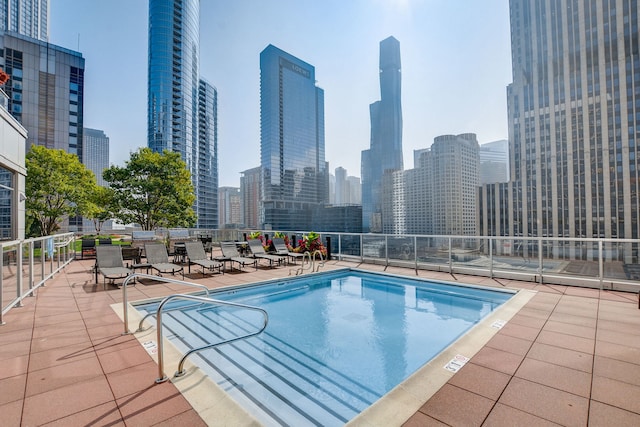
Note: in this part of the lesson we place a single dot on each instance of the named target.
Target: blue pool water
(335, 343)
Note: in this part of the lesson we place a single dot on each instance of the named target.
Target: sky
(456, 65)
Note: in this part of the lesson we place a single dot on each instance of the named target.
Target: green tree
(99, 207)
(57, 185)
(153, 190)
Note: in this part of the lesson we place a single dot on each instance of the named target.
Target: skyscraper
(250, 192)
(180, 105)
(494, 162)
(46, 91)
(294, 171)
(27, 17)
(95, 153)
(385, 152)
(574, 123)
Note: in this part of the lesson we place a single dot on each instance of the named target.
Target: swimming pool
(336, 342)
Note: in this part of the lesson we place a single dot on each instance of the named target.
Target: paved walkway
(571, 356)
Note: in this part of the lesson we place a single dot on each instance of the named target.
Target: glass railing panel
(515, 255)
(471, 252)
(620, 260)
(9, 276)
(373, 246)
(349, 245)
(432, 251)
(401, 248)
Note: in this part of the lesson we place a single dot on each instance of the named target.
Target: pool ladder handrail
(320, 264)
(125, 311)
(311, 263)
(204, 300)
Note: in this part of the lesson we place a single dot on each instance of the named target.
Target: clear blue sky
(456, 64)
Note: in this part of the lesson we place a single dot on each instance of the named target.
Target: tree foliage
(57, 186)
(100, 207)
(153, 190)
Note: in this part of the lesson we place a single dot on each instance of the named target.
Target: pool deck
(570, 356)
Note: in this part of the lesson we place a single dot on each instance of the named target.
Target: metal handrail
(148, 276)
(313, 260)
(180, 372)
(184, 307)
(300, 269)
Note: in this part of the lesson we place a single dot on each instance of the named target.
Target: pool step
(280, 384)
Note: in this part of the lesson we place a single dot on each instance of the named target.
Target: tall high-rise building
(574, 123)
(294, 172)
(229, 203)
(95, 153)
(27, 17)
(385, 152)
(494, 162)
(46, 91)
(341, 189)
(250, 193)
(180, 104)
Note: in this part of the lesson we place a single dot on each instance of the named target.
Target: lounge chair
(230, 252)
(158, 257)
(282, 249)
(196, 255)
(88, 248)
(109, 263)
(258, 252)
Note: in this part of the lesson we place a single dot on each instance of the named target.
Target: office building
(250, 193)
(229, 203)
(182, 107)
(295, 178)
(494, 162)
(341, 188)
(354, 187)
(95, 153)
(385, 152)
(574, 123)
(45, 90)
(12, 174)
(27, 17)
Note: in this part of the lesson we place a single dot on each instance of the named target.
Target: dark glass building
(180, 105)
(385, 152)
(295, 180)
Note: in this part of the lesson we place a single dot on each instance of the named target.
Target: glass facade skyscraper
(385, 152)
(176, 107)
(27, 17)
(574, 123)
(294, 171)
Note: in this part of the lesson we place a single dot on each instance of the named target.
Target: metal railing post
(540, 262)
(1, 284)
(491, 258)
(450, 258)
(600, 264)
(31, 245)
(361, 249)
(339, 246)
(386, 250)
(415, 251)
(19, 274)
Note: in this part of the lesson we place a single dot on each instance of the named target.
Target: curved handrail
(148, 276)
(320, 264)
(300, 270)
(180, 372)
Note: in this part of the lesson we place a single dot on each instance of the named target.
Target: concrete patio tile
(625, 328)
(552, 289)
(616, 393)
(420, 420)
(123, 359)
(570, 329)
(155, 404)
(601, 415)
(105, 331)
(133, 380)
(480, 380)
(573, 319)
(50, 378)
(521, 332)
(106, 414)
(60, 340)
(617, 351)
(12, 388)
(617, 370)
(61, 402)
(497, 360)
(15, 366)
(189, 418)
(545, 402)
(559, 377)
(11, 414)
(616, 296)
(511, 344)
(15, 349)
(11, 337)
(506, 416)
(443, 407)
(52, 329)
(571, 342)
(561, 356)
(60, 356)
(618, 337)
(583, 292)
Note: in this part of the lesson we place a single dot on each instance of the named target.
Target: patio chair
(105, 241)
(196, 255)
(158, 257)
(88, 248)
(282, 249)
(109, 263)
(259, 253)
(230, 252)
